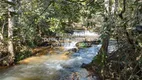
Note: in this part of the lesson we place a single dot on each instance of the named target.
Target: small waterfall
(84, 33)
(70, 45)
(56, 67)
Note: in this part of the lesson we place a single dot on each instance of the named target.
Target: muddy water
(54, 67)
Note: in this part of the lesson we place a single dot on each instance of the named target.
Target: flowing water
(56, 67)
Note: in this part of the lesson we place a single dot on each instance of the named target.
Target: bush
(22, 55)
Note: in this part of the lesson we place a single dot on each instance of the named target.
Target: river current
(52, 67)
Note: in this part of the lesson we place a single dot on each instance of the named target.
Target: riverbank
(123, 63)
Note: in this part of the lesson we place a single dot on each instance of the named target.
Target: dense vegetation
(25, 23)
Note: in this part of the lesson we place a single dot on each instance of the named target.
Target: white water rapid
(50, 67)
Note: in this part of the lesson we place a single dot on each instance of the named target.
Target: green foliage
(10, 3)
(22, 55)
(37, 19)
(82, 45)
(100, 59)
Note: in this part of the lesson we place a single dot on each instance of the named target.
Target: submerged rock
(86, 44)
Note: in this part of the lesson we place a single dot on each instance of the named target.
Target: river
(58, 66)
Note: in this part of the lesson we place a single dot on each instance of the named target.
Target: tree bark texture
(10, 35)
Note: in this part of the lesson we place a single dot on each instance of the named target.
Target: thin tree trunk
(10, 36)
(105, 39)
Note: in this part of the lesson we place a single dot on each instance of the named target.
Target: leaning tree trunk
(105, 38)
(110, 10)
(10, 34)
(104, 47)
(108, 24)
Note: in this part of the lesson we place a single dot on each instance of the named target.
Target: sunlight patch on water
(44, 58)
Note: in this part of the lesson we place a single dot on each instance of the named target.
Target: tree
(11, 12)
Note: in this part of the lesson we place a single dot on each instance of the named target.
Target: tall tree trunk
(105, 38)
(10, 34)
(110, 9)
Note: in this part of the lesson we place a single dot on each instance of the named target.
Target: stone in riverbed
(86, 44)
